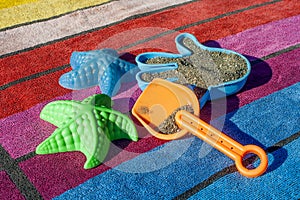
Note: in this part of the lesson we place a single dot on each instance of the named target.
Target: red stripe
(23, 96)
(58, 54)
(230, 25)
(46, 87)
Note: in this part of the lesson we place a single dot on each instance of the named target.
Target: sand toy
(98, 67)
(88, 126)
(216, 72)
(163, 103)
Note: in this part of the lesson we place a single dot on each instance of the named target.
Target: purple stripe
(274, 74)
(8, 190)
(265, 39)
(265, 78)
(19, 135)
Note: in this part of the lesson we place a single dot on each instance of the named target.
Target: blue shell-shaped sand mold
(99, 67)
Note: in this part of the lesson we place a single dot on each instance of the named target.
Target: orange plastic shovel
(161, 98)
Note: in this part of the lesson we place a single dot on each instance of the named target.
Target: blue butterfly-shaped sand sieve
(213, 91)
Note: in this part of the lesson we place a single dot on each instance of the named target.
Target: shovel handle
(223, 143)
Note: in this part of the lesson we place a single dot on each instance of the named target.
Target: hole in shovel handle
(251, 173)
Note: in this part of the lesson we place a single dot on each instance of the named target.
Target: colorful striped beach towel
(37, 38)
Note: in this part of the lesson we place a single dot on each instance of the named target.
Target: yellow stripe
(7, 4)
(22, 11)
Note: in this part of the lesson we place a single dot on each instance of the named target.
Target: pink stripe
(284, 70)
(22, 132)
(19, 135)
(65, 170)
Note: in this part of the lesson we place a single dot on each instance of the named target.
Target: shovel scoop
(159, 101)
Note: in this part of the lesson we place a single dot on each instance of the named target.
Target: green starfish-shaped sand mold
(88, 126)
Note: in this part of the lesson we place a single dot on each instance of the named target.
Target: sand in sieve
(203, 68)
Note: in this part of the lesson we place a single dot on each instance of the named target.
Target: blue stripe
(173, 168)
(282, 183)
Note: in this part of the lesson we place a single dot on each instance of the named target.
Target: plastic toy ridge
(99, 67)
(88, 126)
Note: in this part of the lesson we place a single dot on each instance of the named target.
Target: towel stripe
(34, 34)
(8, 189)
(285, 183)
(9, 4)
(130, 179)
(44, 83)
(215, 177)
(17, 176)
(227, 25)
(149, 21)
(246, 42)
(36, 10)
